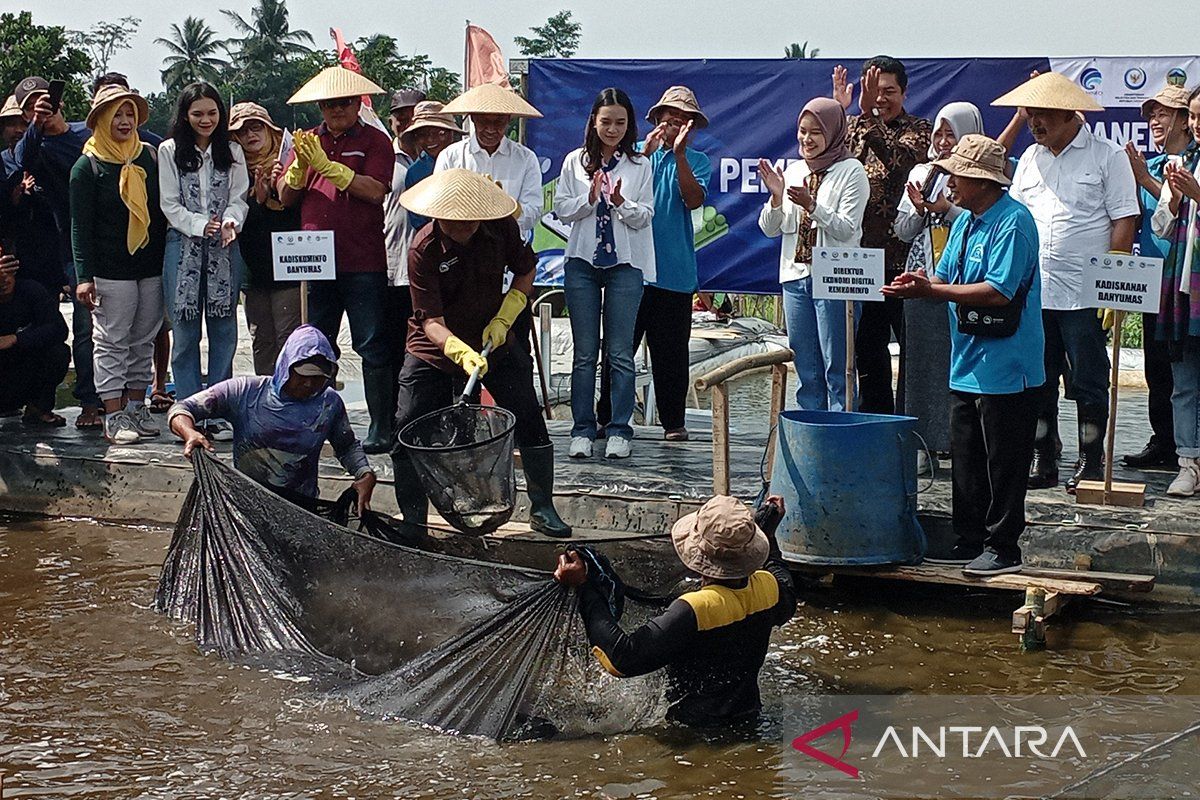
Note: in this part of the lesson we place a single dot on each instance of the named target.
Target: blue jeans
(185, 333)
(817, 336)
(614, 293)
(361, 297)
(1185, 400)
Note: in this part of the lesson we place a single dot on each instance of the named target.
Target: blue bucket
(849, 484)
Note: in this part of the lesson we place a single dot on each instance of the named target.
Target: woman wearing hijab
(816, 202)
(203, 185)
(923, 218)
(117, 234)
(272, 308)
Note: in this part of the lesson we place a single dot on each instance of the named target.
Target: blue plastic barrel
(849, 484)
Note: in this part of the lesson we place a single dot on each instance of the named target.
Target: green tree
(800, 51)
(272, 88)
(193, 50)
(267, 37)
(558, 38)
(382, 62)
(104, 39)
(46, 50)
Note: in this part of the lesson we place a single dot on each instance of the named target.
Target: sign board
(847, 273)
(303, 256)
(1121, 282)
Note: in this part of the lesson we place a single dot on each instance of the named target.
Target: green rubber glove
(462, 354)
(496, 331)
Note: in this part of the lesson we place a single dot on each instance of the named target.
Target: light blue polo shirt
(674, 237)
(1002, 249)
(1149, 245)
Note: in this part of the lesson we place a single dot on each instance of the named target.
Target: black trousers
(665, 319)
(1159, 381)
(991, 445)
(875, 329)
(31, 377)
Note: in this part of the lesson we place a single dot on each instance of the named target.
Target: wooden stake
(303, 302)
(849, 355)
(720, 432)
(778, 390)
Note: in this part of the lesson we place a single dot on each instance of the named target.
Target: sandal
(42, 419)
(161, 401)
(89, 419)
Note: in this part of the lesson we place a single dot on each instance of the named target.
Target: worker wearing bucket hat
(488, 150)
(456, 269)
(431, 131)
(1083, 196)
(713, 641)
(339, 175)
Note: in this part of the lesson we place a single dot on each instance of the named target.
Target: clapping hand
(913, 190)
(1137, 160)
(907, 285)
(597, 183)
(801, 196)
(228, 233)
(771, 177)
(655, 139)
(1183, 182)
(615, 197)
(681, 138)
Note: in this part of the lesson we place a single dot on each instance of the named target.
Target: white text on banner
(1124, 283)
(847, 273)
(303, 256)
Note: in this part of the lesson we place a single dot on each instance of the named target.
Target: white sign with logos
(847, 273)
(303, 256)
(1125, 283)
(1127, 82)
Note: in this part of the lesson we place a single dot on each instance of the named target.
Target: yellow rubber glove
(297, 172)
(338, 174)
(496, 331)
(1108, 318)
(462, 354)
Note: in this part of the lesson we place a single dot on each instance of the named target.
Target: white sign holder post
(303, 256)
(1122, 283)
(852, 274)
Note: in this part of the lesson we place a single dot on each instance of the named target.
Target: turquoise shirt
(674, 237)
(1001, 249)
(1149, 245)
(418, 171)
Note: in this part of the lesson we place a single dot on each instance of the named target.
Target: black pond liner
(465, 646)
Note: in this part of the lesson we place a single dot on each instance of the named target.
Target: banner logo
(1135, 78)
(1090, 79)
(842, 723)
(1176, 77)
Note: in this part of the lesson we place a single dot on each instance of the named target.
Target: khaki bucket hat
(241, 113)
(1171, 96)
(431, 114)
(1049, 90)
(113, 93)
(488, 98)
(460, 195)
(721, 540)
(332, 83)
(682, 98)
(11, 108)
(977, 156)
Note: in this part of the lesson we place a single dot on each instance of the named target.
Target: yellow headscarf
(133, 178)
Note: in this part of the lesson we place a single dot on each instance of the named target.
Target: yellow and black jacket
(712, 643)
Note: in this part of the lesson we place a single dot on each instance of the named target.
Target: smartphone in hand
(57, 87)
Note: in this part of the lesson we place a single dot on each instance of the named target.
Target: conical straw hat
(489, 98)
(11, 108)
(1049, 90)
(332, 83)
(459, 194)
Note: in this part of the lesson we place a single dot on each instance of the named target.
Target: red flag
(347, 59)
(485, 62)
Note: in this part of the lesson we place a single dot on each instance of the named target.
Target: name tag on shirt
(447, 264)
(847, 273)
(1124, 283)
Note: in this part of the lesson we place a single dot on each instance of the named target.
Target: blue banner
(752, 107)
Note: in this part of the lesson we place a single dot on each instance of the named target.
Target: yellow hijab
(133, 178)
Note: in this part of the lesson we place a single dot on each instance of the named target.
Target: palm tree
(800, 51)
(193, 55)
(268, 37)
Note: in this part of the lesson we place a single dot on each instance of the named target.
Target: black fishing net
(465, 646)
(464, 457)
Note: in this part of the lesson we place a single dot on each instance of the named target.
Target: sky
(692, 29)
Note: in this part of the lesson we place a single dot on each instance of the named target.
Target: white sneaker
(120, 428)
(581, 447)
(143, 420)
(1187, 480)
(617, 447)
(220, 431)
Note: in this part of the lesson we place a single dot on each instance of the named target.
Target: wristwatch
(875, 112)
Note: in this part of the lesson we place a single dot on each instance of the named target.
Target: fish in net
(464, 646)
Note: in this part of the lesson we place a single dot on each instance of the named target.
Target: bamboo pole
(303, 302)
(1110, 434)
(849, 355)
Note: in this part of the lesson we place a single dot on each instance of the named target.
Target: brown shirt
(888, 151)
(463, 284)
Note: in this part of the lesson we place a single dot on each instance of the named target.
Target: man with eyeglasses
(339, 174)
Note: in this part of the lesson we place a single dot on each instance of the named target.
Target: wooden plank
(1109, 581)
(720, 434)
(1129, 495)
(778, 390)
(738, 365)
(954, 576)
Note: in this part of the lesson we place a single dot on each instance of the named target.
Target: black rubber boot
(377, 386)
(410, 496)
(539, 485)
(1156, 453)
(1092, 423)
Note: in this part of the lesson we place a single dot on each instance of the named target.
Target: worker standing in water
(456, 267)
(713, 641)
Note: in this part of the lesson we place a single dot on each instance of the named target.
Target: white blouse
(631, 220)
(910, 223)
(191, 223)
(841, 202)
(1163, 225)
